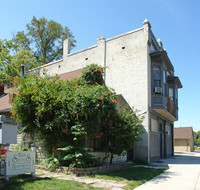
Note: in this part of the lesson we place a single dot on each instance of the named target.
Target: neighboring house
(183, 139)
(5, 107)
(138, 68)
(5, 104)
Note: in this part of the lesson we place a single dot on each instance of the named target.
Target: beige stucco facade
(183, 145)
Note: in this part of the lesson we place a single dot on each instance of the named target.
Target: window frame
(156, 79)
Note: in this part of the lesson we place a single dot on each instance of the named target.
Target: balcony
(164, 107)
(171, 107)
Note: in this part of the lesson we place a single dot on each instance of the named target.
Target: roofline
(122, 97)
(85, 49)
(176, 80)
(181, 138)
(163, 55)
(125, 34)
(42, 66)
(183, 127)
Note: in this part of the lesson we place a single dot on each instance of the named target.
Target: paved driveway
(183, 174)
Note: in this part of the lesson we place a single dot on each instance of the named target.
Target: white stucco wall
(128, 71)
(127, 74)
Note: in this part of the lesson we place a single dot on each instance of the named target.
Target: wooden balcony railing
(171, 107)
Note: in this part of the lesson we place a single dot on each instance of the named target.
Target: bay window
(156, 76)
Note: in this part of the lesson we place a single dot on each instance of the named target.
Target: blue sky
(175, 22)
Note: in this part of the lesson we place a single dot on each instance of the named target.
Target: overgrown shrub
(70, 111)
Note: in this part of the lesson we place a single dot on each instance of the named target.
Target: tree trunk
(111, 157)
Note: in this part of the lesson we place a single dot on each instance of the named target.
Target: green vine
(71, 111)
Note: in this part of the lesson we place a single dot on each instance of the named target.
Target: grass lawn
(25, 183)
(133, 177)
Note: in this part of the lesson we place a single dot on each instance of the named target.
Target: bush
(70, 111)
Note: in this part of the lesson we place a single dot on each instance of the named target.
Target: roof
(183, 133)
(4, 101)
(163, 54)
(176, 80)
(71, 75)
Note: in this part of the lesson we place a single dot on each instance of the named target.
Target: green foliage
(12, 56)
(132, 177)
(41, 43)
(197, 138)
(72, 111)
(23, 182)
(90, 107)
(47, 37)
(52, 163)
(41, 105)
(77, 156)
(125, 131)
(92, 74)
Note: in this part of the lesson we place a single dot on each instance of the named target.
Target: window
(176, 96)
(156, 76)
(154, 125)
(164, 82)
(171, 93)
(167, 129)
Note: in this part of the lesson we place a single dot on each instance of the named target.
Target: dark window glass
(171, 93)
(164, 82)
(156, 76)
(156, 72)
(156, 83)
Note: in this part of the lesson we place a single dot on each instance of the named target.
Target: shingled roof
(71, 75)
(183, 133)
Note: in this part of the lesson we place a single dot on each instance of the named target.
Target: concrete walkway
(183, 173)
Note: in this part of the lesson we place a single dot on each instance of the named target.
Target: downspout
(165, 143)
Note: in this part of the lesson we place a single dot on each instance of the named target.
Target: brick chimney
(1, 89)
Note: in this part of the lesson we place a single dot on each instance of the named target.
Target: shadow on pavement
(180, 158)
(164, 177)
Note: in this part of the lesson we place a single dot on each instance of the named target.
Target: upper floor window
(176, 96)
(164, 82)
(171, 93)
(156, 76)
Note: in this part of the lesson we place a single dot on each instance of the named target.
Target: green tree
(46, 38)
(124, 131)
(197, 138)
(41, 43)
(12, 56)
(41, 105)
